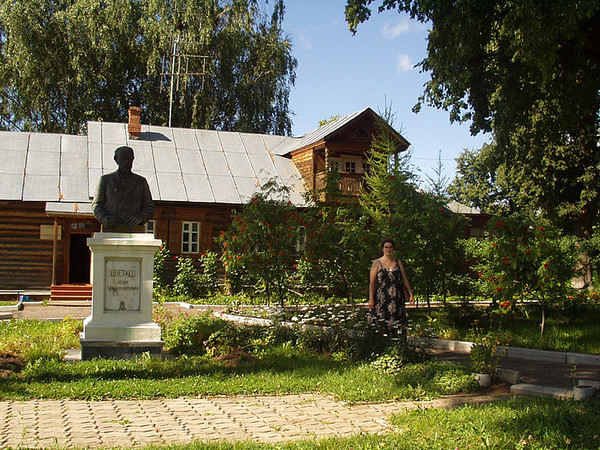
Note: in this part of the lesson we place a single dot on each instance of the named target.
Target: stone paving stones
(120, 423)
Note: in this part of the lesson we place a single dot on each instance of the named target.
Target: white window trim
(187, 245)
(301, 240)
(150, 227)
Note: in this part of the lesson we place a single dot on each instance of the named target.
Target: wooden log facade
(25, 257)
(198, 178)
(30, 259)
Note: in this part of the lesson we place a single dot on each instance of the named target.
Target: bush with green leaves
(443, 377)
(191, 283)
(401, 353)
(160, 281)
(261, 242)
(525, 258)
(187, 334)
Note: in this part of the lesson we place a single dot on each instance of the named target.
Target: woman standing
(388, 287)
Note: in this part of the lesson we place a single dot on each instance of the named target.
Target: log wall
(25, 259)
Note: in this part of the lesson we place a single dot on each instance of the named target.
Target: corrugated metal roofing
(181, 165)
(186, 165)
(43, 167)
(319, 133)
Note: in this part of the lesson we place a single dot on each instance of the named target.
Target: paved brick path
(121, 423)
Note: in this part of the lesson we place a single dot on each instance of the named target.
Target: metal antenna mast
(176, 72)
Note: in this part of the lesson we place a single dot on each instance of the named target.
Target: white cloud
(306, 43)
(393, 31)
(403, 63)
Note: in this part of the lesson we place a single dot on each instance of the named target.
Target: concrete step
(561, 393)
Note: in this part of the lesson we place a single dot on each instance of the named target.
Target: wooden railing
(350, 183)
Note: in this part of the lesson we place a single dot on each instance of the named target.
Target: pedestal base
(121, 324)
(120, 350)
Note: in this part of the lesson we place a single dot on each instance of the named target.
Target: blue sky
(339, 73)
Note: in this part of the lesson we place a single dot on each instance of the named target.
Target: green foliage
(332, 118)
(531, 75)
(64, 63)
(185, 334)
(190, 283)
(524, 258)
(441, 377)
(261, 242)
(485, 354)
(400, 354)
(482, 183)
(340, 247)
(159, 278)
(425, 232)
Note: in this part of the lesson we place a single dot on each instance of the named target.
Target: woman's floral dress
(389, 312)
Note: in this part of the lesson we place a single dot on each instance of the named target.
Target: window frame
(150, 227)
(189, 245)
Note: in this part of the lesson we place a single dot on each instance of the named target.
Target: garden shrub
(443, 377)
(159, 280)
(187, 334)
(193, 284)
(231, 337)
(401, 353)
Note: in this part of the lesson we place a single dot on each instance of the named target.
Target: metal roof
(181, 165)
(187, 165)
(323, 132)
(326, 130)
(43, 167)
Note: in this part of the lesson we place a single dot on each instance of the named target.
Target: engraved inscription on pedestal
(122, 284)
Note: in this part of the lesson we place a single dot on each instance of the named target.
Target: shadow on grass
(150, 378)
(522, 422)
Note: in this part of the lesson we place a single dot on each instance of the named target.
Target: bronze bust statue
(123, 202)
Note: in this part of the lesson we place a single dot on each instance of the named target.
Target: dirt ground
(58, 312)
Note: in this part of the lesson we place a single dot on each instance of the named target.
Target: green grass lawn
(576, 331)
(283, 367)
(276, 371)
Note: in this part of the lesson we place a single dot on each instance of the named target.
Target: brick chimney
(134, 127)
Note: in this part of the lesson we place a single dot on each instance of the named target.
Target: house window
(335, 165)
(190, 237)
(366, 168)
(476, 232)
(150, 227)
(301, 240)
(362, 133)
(350, 166)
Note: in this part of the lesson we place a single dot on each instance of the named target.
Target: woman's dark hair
(385, 241)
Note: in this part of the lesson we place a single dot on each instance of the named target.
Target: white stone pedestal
(121, 322)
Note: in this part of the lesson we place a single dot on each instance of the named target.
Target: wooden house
(196, 178)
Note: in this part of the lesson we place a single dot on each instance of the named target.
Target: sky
(339, 73)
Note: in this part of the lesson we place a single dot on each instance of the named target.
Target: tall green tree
(64, 62)
(529, 72)
(425, 232)
(482, 182)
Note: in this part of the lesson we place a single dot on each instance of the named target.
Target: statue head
(124, 158)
